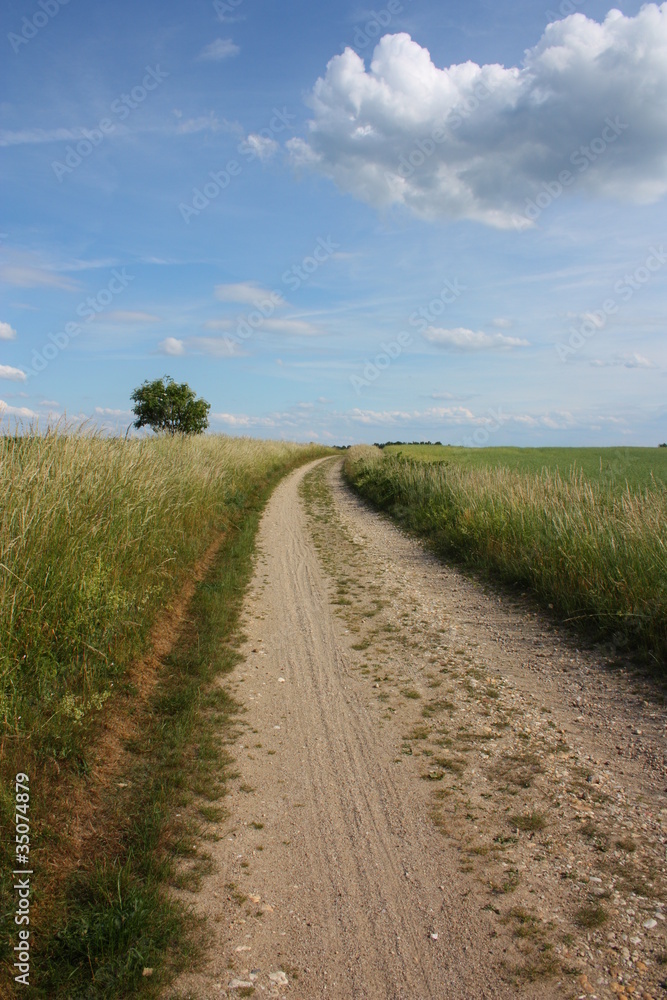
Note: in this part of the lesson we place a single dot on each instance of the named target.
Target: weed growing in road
(591, 916)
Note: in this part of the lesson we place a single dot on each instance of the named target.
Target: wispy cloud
(127, 317)
(243, 420)
(221, 48)
(293, 327)
(261, 146)
(624, 361)
(461, 339)
(40, 136)
(216, 347)
(245, 292)
(34, 136)
(278, 324)
(25, 276)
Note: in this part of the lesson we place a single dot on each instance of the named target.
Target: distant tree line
(406, 443)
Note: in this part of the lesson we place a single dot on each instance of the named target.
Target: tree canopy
(165, 405)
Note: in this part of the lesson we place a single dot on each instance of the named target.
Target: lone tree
(165, 405)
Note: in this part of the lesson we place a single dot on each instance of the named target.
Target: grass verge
(595, 555)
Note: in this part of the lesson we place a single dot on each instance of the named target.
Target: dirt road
(438, 794)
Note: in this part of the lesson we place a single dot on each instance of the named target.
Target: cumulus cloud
(476, 142)
(172, 346)
(221, 48)
(461, 339)
(105, 411)
(13, 374)
(16, 411)
(7, 332)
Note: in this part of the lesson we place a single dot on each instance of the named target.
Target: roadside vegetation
(97, 537)
(590, 546)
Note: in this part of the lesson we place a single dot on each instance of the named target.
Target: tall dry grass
(94, 536)
(599, 556)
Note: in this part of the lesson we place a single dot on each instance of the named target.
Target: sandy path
(332, 877)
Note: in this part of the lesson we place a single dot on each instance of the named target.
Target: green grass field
(615, 466)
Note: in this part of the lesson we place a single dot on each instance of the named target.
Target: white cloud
(468, 340)
(172, 346)
(476, 142)
(558, 421)
(16, 411)
(292, 327)
(246, 292)
(243, 420)
(221, 48)
(40, 136)
(502, 323)
(35, 136)
(217, 347)
(106, 412)
(447, 414)
(625, 361)
(25, 276)
(13, 374)
(263, 147)
(190, 126)
(280, 324)
(7, 332)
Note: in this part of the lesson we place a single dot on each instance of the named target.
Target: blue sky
(421, 221)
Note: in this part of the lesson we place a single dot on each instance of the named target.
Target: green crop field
(616, 466)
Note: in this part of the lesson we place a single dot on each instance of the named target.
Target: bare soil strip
(438, 794)
(79, 804)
